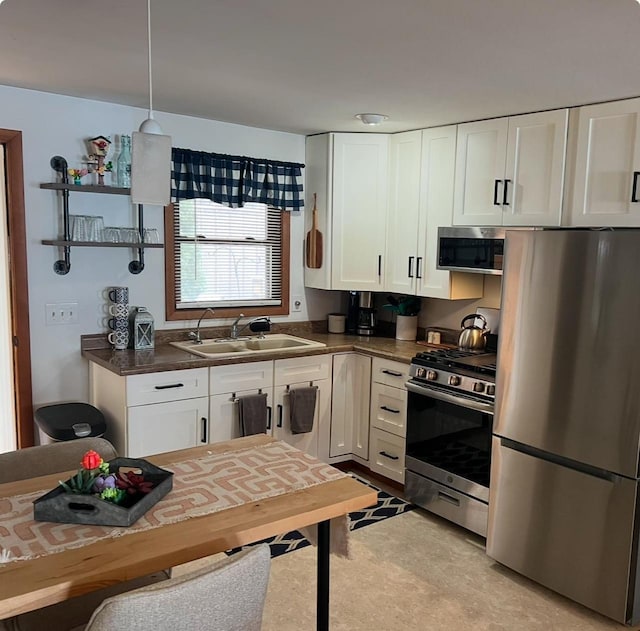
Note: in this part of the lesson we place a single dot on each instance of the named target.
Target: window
(231, 259)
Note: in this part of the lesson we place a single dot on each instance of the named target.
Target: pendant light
(150, 151)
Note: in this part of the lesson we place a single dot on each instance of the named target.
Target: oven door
(449, 439)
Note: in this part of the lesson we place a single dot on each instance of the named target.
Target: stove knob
(421, 372)
(478, 386)
(432, 375)
(491, 390)
(454, 380)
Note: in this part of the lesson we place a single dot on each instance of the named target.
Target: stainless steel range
(449, 425)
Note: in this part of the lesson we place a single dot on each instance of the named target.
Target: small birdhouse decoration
(98, 149)
(143, 330)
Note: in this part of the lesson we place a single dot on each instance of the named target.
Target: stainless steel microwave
(479, 250)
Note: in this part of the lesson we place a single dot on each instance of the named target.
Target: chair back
(226, 597)
(32, 462)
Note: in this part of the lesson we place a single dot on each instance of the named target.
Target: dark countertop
(166, 357)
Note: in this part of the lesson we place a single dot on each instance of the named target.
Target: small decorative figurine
(77, 174)
(98, 149)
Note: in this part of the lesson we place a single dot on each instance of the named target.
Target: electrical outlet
(61, 313)
(296, 304)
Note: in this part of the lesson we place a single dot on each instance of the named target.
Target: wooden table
(31, 584)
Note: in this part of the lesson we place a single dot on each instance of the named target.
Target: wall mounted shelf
(62, 266)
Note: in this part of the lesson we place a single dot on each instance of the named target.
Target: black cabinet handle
(418, 267)
(379, 264)
(410, 271)
(268, 417)
(393, 373)
(171, 385)
(386, 455)
(203, 434)
(496, 183)
(279, 423)
(634, 189)
(505, 202)
(384, 407)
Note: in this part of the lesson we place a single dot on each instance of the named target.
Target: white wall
(59, 125)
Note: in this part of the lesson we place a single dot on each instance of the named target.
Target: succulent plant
(133, 483)
(81, 483)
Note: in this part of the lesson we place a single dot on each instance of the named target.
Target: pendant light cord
(149, 58)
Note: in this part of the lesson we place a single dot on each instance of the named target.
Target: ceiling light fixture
(373, 119)
(150, 151)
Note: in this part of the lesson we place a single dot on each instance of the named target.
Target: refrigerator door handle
(559, 460)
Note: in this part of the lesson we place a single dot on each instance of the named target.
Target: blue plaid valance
(234, 180)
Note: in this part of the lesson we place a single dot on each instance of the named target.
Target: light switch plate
(61, 313)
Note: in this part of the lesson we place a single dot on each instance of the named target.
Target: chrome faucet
(195, 335)
(234, 327)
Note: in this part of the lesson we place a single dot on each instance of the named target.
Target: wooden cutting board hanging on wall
(314, 241)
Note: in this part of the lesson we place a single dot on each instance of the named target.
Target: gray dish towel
(303, 407)
(253, 414)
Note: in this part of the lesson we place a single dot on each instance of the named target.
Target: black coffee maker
(366, 314)
(351, 325)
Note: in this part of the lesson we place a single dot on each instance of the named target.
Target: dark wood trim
(171, 313)
(19, 286)
(86, 188)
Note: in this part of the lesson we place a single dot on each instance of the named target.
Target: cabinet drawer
(299, 369)
(389, 409)
(237, 377)
(175, 385)
(386, 454)
(389, 372)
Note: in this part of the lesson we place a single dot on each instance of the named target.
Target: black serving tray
(72, 508)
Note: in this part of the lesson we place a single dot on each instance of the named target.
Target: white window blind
(227, 257)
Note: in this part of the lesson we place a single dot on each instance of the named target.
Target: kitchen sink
(248, 346)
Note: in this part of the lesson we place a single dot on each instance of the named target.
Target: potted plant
(114, 493)
(406, 309)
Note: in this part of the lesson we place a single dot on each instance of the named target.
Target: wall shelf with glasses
(62, 266)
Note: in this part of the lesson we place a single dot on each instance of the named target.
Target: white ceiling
(307, 66)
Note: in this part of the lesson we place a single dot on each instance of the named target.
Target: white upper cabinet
(510, 171)
(436, 209)
(360, 175)
(349, 174)
(422, 165)
(401, 260)
(606, 190)
(480, 163)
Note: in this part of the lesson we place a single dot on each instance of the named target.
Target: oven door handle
(425, 391)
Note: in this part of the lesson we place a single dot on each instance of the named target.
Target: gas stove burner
(455, 360)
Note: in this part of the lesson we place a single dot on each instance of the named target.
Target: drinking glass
(95, 228)
(151, 235)
(79, 228)
(112, 234)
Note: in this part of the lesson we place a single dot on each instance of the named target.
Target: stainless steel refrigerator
(563, 503)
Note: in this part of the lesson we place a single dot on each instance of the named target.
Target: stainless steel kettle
(473, 338)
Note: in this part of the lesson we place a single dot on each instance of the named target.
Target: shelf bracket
(62, 266)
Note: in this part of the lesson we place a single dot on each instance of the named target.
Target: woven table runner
(201, 486)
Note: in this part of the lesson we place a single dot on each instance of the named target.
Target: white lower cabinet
(297, 372)
(160, 427)
(152, 413)
(389, 409)
(350, 405)
(386, 454)
(316, 441)
(224, 414)
(388, 418)
(226, 385)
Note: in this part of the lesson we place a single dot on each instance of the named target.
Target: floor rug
(387, 506)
